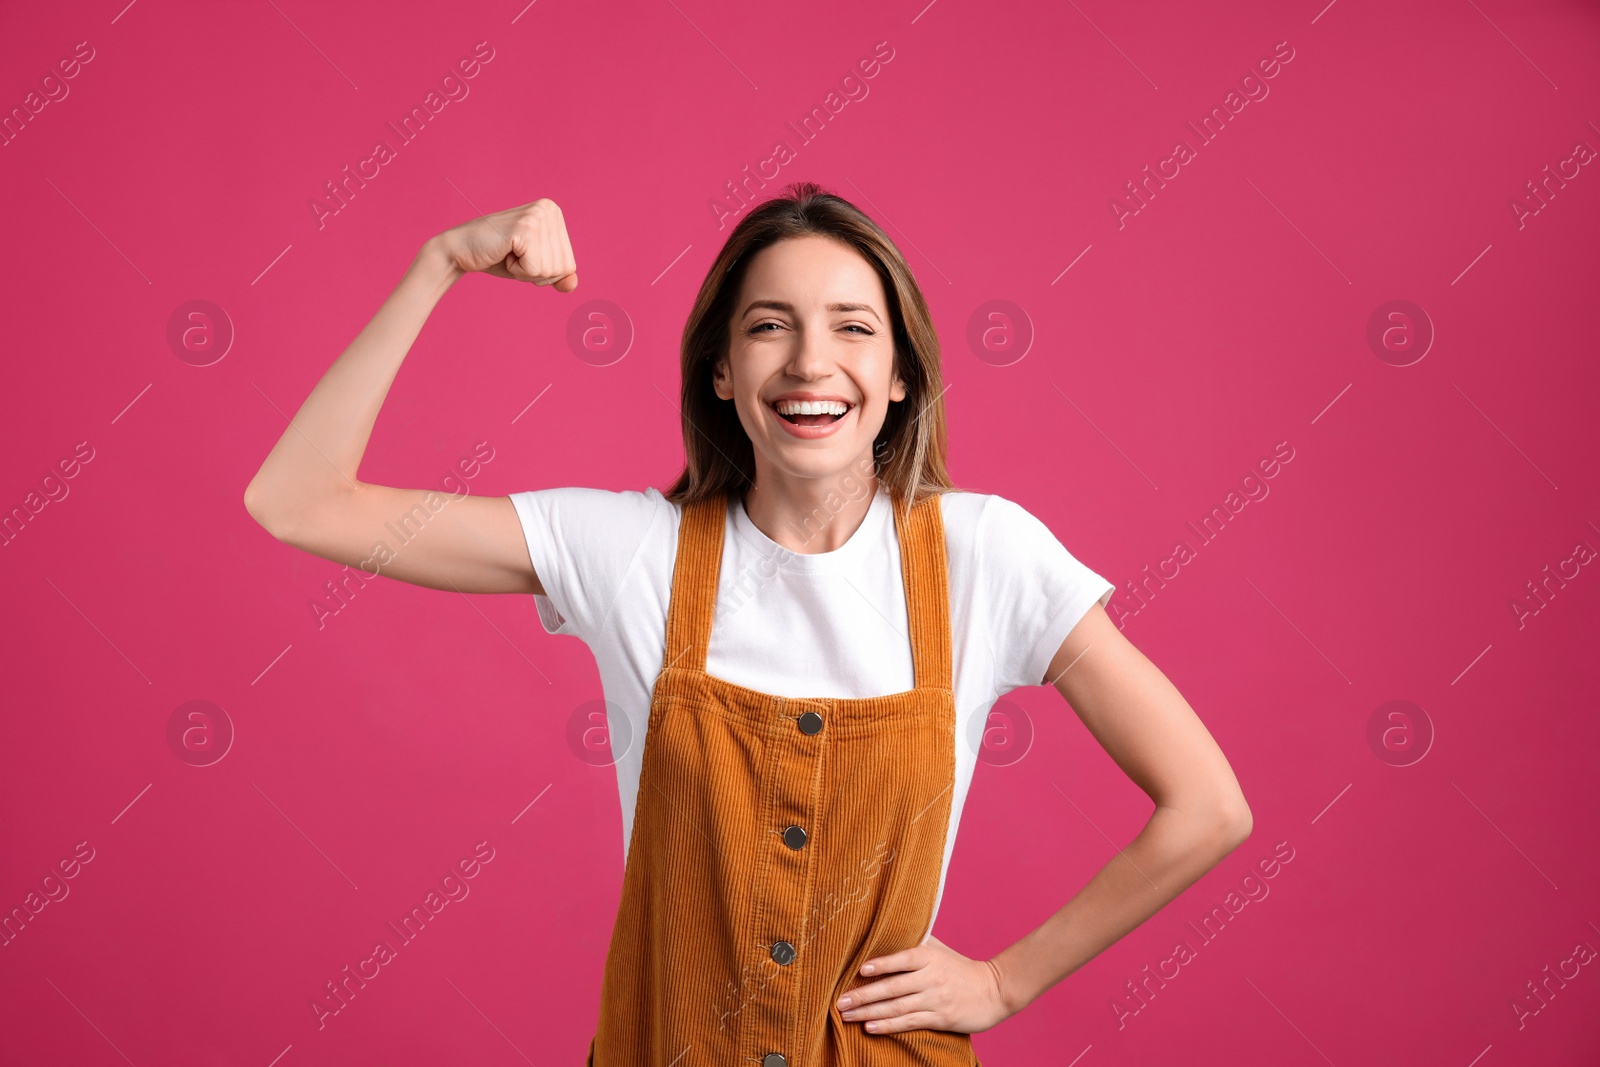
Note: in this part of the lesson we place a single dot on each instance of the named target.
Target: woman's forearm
(1170, 854)
(320, 452)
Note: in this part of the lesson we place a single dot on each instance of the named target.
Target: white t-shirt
(828, 624)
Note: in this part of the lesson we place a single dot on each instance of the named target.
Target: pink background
(1230, 313)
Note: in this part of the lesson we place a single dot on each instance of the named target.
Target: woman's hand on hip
(930, 987)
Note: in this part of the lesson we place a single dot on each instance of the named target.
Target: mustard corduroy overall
(778, 843)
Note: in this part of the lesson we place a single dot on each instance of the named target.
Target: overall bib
(779, 843)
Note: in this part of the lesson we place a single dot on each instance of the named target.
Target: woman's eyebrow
(779, 305)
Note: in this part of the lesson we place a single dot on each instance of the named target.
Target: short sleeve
(1034, 589)
(581, 542)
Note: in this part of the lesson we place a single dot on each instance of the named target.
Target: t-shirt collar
(846, 555)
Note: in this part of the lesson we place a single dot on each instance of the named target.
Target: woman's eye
(759, 327)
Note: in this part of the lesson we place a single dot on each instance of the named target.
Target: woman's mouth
(810, 418)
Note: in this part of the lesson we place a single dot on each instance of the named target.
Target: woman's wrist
(435, 262)
(1011, 998)
(1000, 987)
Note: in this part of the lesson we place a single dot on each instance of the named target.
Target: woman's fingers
(556, 262)
(908, 1002)
(568, 281)
(915, 1020)
(931, 986)
(526, 244)
(875, 999)
(543, 253)
(523, 260)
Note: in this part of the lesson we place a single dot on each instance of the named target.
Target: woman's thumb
(567, 284)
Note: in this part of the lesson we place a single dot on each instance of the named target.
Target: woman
(805, 631)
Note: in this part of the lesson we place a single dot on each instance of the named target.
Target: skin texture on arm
(1200, 816)
(306, 493)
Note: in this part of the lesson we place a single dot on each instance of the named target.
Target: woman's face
(811, 326)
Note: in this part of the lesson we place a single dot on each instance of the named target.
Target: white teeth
(812, 407)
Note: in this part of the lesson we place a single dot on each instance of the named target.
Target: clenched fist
(526, 244)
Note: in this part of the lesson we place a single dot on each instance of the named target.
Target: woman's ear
(897, 391)
(721, 380)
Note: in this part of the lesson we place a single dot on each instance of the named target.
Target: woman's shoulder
(967, 512)
(991, 524)
(964, 505)
(648, 501)
(614, 517)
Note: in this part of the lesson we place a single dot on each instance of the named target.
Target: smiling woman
(801, 628)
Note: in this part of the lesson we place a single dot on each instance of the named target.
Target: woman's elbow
(263, 509)
(1234, 822)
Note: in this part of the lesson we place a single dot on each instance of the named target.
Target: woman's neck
(809, 515)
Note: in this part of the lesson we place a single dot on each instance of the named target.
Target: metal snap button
(810, 723)
(782, 953)
(774, 1059)
(794, 837)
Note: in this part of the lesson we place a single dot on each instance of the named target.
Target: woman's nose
(809, 357)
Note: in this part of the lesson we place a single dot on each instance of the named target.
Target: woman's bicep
(1143, 722)
(426, 537)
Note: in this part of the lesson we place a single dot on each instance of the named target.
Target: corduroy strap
(927, 582)
(694, 583)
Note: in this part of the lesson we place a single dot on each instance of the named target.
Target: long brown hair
(909, 451)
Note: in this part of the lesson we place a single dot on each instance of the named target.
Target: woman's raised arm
(306, 493)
